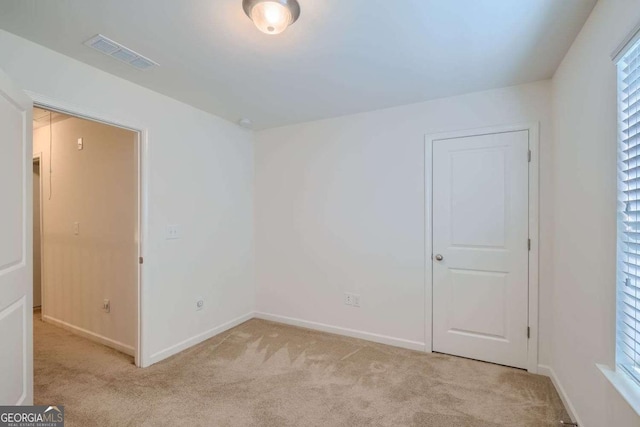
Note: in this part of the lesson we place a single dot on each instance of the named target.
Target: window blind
(628, 276)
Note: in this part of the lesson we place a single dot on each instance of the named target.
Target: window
(628, 271)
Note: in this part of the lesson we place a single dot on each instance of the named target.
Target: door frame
(534, 196)
(37, 157)
(62, 106)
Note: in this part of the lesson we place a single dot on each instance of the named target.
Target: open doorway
(86, 229)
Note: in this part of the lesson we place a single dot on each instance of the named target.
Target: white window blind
(628, 276)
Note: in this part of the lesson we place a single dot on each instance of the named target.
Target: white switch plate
(80, 144)
(106, 306)
(356, 300)
(76, 228)
(173, 232)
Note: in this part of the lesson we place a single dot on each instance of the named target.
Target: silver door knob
(439, 257)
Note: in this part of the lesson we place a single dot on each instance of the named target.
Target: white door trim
(533, 129)
(38, 157)
(141, 358)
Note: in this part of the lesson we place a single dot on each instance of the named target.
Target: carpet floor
(267, 374)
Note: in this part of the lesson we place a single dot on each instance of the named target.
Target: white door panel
(13, 330)
(16, 319)
(11, 189)
(480, 228)
(469, 293)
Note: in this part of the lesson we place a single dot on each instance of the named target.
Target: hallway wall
(90, 229)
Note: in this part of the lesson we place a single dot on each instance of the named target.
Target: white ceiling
(340, 57)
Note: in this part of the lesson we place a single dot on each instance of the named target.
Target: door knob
(439, 257)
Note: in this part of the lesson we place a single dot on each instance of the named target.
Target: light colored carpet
(267, 374)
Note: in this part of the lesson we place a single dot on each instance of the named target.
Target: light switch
(80, 144)
(173, 232)
(76, 228)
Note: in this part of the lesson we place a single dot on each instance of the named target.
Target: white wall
(584, 107)
(200, 175)
(97, 187)
(339, 206)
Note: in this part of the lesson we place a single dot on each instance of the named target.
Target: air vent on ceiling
(119, 52)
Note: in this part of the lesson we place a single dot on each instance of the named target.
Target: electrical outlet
(199, 304)
(348, 299)
(352, 299)
(106, 306)
(173, 232)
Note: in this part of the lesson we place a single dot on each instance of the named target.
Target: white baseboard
(547, 371)
(197, 339)
(382, 339)
(124, 348)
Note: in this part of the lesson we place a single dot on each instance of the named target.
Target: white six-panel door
(480, 247)
(16, 313)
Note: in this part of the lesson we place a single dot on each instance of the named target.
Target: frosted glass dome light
(272, 16)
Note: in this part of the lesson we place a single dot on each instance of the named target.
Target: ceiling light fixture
(272, 16)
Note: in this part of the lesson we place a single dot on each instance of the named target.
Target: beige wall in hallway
(95, 187)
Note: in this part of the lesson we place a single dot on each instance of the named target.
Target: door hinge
(529, 156)
(529, 244)
(528, 331)
(140, 260)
